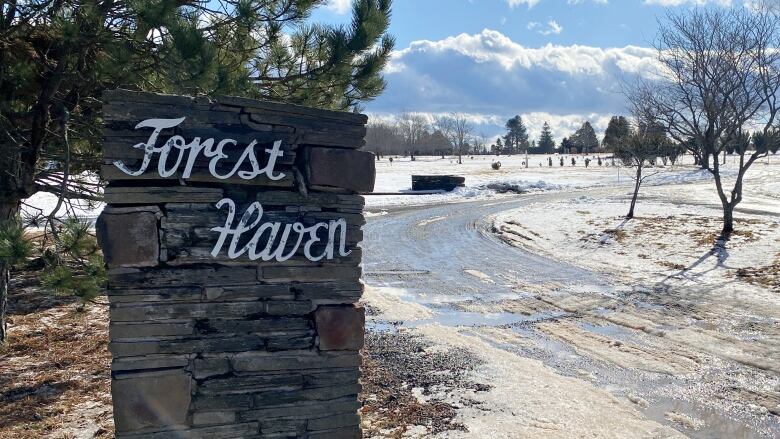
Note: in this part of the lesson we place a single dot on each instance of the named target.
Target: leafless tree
(458, 129)
(413, 127)
(719, 75)
(645, 143)
(482, 143)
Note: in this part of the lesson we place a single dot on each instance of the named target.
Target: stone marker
(437, 182)
(231, 240)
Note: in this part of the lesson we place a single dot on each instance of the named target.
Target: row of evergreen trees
(583, 140)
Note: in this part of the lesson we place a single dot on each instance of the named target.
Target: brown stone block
(129, 239)
(151, 401)
(343, 168)
(340, 327)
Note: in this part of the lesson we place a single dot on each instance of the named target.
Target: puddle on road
(446, 315)
(713, 424)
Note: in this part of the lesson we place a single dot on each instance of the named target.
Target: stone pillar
(209, 340)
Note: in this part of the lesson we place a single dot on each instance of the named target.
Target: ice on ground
(388, 301)
(531, 400)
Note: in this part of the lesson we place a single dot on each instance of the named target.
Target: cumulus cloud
(339, 6)
(490, 76)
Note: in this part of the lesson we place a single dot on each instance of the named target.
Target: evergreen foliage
(546, 143)
(584, 139)
(57, 58)
(516, 138)
(15, 247)
(617, 131)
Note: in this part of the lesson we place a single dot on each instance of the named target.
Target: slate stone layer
(213, 347)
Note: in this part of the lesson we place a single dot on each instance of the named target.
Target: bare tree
(641, 147)
(458, 129)
(719, 74)
(482, 143)
(412, 127)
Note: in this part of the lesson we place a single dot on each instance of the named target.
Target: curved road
(442, 251)
(444, 254)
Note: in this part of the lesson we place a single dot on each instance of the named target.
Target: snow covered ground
(482, 182)
(644, 328)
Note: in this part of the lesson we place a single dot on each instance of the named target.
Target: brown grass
(767, 276)
(55, 360)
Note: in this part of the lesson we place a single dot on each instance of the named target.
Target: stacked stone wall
(257, 343)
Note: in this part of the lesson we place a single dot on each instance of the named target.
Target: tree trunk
(636, 192)
(8, 211)
(728, 220)
(705, 161)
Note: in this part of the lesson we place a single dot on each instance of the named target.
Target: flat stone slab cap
(343, 168)
(340, 327)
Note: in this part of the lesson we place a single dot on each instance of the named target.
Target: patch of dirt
(55, 376)
(405, 384)
(767, 276)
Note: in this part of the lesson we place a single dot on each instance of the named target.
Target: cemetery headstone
(437, 182)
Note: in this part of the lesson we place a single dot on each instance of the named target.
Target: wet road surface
(445, 255)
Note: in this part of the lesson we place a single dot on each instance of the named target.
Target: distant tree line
(414, 134)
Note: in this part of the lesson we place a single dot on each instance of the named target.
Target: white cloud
(552, 28)
(491, 78)
(339, 6)
(529, 3)
(492, 46)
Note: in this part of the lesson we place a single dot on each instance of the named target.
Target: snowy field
(538, 176)
(645, 328)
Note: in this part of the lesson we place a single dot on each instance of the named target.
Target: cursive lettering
(275, 245)
(173, 152)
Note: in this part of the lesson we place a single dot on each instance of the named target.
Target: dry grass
(767, 276)
(55, 363)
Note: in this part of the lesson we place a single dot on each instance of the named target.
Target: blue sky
(560, 61)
